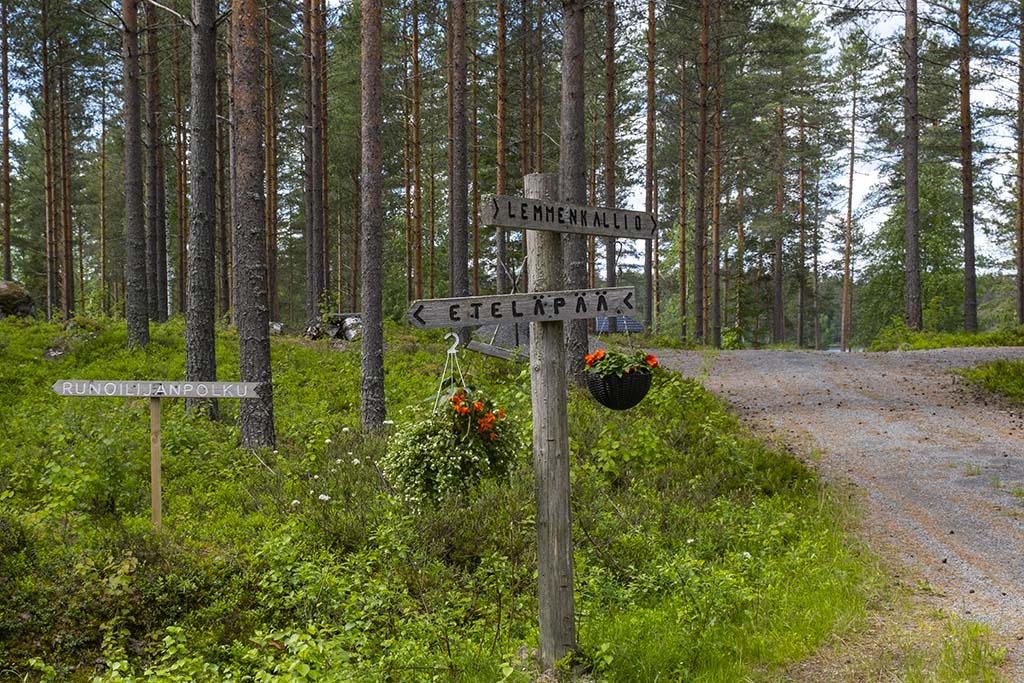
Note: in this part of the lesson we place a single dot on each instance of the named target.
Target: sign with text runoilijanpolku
(471, 311)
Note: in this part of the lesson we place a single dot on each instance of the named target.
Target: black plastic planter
(619, 393)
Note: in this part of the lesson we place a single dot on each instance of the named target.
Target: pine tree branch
(187, 21)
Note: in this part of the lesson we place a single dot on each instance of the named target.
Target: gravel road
(942, 469)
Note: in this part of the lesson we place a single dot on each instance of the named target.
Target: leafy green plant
(609, 363)
(450, 450)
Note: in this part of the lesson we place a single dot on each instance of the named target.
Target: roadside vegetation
(701, 553)
(898, 337)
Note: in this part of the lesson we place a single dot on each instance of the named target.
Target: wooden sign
(115, 388)
(526, 307)
(537, 214)
(154, 391)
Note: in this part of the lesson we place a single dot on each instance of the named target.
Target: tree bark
(104, 296)
(502, 280)
(270, 150)
(372, 222)
(155, 209)
(458, 192)
(967, 170)
(572, 173)
(844, 327)
(67, 228)
(801, 263)
(6, 96)
(136, 293)
(609, 164)
(417, 157)
(251, 310)
(313, 138)
(700, 201)
(200, 314)
(682, 201)
(182, 168)
(223, 183)
(716, 189)
(911, 133)
(778, 311)
(649, 171)
(1020, 168)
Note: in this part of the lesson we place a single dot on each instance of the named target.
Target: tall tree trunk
(816, 246)
(224, 202)
(538, 96)
(155, 211)
(1020, 167)
(104, 291)
(502, 279)
(572, 175)
(433, 224)
(324, 171)
(313, 140)
(700, 201)
(135, 224)
(417, 156)
(458, 199)
(270, 150)
(801, 264)
(911, 133)
(200, 314)
(475, 175)
(372, 228)
(610, 162)
(52, 294)
(407, 162)
(844, 327)
(967, 170)
(67, 228)
(6, 104)
(649, 170)
(251, 312)
(682, 201)
(778, 311)
(716, 189)
(741, 247)
(182, 167)
(354, 294)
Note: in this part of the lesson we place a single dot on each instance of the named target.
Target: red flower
(594, 357)
(651, 360)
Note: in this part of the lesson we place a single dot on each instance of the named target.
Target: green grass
(1002, 377)
(701, 553)
(898, 337)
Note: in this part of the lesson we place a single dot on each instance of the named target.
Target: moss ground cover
(702, 554)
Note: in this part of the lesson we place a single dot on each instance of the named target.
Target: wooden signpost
(154, 391)
(546, 307)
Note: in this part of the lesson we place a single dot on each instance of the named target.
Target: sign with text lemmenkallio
(154, 391)
(537, 214)
(470, 311)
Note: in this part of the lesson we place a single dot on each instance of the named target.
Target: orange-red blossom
(594, 357)
(651, 360)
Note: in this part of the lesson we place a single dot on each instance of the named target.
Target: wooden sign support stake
(548, 390)
(154, 462)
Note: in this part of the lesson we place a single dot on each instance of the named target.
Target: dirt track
(942, 469)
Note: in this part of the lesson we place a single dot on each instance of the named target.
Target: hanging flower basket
(619, 381)
(619, 393)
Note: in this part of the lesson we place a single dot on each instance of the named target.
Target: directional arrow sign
(81, 387)
(536, 214)
(521, 308)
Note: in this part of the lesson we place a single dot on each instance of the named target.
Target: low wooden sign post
(546, 307)
(154, 391)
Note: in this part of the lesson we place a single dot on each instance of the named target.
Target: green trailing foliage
(701, 553)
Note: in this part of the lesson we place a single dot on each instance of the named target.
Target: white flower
(389, 422)
(355, 461)
(338, 460)
(328, 441)
(295, 502)
(344, 429)
(316, 476)
(350, 452)
(311, 492)
(324, 497)
(689, 540)
(746, 555)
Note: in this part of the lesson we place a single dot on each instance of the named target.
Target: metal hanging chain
(451, 364)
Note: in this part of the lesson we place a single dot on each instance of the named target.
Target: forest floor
(939, 469)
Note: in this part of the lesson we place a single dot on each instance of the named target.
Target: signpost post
(546, 308)
(154, 391)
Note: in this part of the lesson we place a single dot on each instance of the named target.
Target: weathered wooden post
(550, 441)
